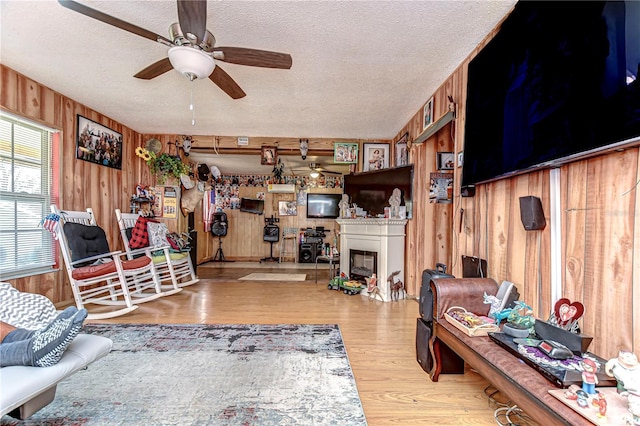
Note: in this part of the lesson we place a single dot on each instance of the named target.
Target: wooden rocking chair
(99, 276)
(175, 269)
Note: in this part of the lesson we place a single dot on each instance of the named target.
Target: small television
(323, 206)
(250, 205)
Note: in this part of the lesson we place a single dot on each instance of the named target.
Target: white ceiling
(361, 69)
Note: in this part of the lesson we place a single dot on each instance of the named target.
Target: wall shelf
(434, 127)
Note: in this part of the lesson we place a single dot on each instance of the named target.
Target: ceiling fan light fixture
(314, 174)
(191, 62)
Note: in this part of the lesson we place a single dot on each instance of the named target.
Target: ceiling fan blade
(192, 15)
(253, 57)
(108, 19)
(226, 83)
(155, 69)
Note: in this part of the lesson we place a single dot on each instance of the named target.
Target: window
(26, 176)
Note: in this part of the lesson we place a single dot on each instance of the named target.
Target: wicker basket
(479, 330)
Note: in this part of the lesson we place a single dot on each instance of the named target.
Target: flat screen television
(323, 206)
(558, 82)
(250, 205)
(371, 190)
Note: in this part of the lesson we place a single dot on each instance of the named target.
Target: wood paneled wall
(599, 221)
(82, 184)
(244, 239)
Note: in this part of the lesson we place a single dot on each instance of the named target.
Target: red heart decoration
(567, 312)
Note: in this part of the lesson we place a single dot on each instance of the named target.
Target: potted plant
(163, 165)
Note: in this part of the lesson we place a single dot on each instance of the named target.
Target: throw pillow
(157, 234)
(139, 235)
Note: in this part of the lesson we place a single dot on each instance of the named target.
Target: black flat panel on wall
(372, 190)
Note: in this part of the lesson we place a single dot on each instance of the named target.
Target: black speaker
(271, 233)
(531, 213)
(307, 253)
(219, 224)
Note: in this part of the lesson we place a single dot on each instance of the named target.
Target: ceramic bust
(626, 369)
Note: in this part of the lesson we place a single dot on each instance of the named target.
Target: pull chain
(192, 106)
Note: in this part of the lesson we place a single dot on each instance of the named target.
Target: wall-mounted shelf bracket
(434, 127)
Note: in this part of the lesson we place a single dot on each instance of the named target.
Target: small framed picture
(375, 156)
(269, 156)
(428, 114)
(446, 161)
(402, 152)
(287, 208)
(345, 153)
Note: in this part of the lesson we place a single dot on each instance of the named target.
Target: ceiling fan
(315, 170)
(192, 48)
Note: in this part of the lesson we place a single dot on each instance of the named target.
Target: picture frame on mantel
(375, 156)
(402, 152)
(98, 144)
(427, 114)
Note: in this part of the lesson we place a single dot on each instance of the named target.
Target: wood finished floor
(379, 338)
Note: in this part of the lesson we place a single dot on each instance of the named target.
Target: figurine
(589, 377)
(602, 405)
(371, 282)
(344, 206)
(626, 369)
(372, 286)
(583, 398)
(571, 392)
(394, 202)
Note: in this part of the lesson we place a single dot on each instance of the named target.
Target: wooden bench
(516, 380)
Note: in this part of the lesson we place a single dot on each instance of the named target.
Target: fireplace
(379, 247)
(362, 264)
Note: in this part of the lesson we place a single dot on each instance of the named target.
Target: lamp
(192, 62)
(304, 148)
(314, 174)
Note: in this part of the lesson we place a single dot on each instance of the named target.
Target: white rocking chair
(175, 269)
(98, 276)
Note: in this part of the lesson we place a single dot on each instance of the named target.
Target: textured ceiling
(361, 69)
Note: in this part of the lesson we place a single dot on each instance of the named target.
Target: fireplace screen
(362, 264)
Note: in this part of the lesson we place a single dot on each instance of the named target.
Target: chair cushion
(93, 271)
(85, 240)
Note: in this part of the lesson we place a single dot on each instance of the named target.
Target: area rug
(259, 276)
(210, 375)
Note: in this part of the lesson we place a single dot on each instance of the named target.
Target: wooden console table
(517, 381)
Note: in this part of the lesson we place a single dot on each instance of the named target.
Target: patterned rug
(260, 276)
(210, 375)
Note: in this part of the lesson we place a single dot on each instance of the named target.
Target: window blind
(25, 196)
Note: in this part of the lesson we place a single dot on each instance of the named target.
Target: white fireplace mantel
(383, 236)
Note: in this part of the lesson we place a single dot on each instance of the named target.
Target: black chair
(219, 229)
(271, 234)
